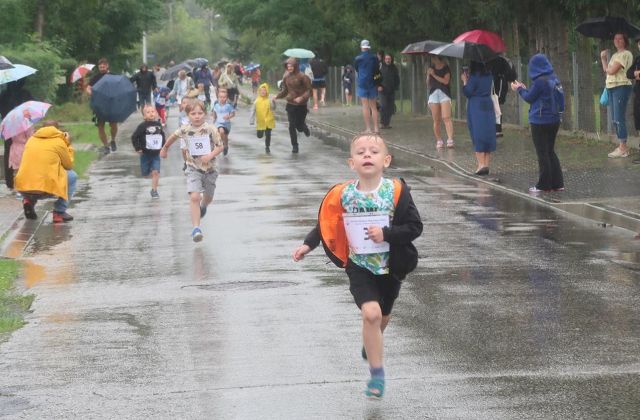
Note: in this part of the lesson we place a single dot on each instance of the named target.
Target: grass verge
(12, 305)
(70, 112)
(82, 161)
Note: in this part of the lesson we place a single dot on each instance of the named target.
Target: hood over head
(296, 65)
(264, 85)
(539, 65)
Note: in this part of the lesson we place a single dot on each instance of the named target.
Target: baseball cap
(365, 44)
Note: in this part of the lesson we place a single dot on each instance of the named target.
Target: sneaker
(536, 190)
(196, 235)
(225, 151)
(267, 150)
(439, 144)
(154, 194)
(375, 388)
(618, 153)
(203, 211)
(306, 131)
(105, 150)
(499, 134)
(295, 149)
(113, 146)
(61, 217)
(558, 189)
(450, 143)
(29, 210)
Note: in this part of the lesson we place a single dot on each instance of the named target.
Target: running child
(222, 112)
(202, 95)
(183, 119)
(202, 145)
(148, 139)
(366, 226)
(262, 115)
(160, 101)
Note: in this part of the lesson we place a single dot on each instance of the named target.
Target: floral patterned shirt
(378, 200)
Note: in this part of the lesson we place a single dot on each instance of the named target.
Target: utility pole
(144, 47)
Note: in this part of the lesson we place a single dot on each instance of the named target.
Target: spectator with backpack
(547, 105)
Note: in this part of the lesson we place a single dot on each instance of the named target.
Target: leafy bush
(47, 60)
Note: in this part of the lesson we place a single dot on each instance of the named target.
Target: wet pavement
(515, 310)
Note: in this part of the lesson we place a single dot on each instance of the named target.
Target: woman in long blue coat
(481, 117)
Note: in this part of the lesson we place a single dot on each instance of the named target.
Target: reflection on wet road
(514, 311)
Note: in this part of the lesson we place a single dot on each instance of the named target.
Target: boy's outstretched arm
(163, 152)
(311, 241)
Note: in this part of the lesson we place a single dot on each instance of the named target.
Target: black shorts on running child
(367, 287)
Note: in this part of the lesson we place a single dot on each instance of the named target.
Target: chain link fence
(582, 81)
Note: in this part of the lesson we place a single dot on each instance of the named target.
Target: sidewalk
(597, 187)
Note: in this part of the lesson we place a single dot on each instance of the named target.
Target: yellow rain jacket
(47, 156)
(263, 110)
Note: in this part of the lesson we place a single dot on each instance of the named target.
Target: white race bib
(199, 146)
(154, 141)
(161, 101)
(356, 224)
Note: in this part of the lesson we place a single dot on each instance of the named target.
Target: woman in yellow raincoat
(262, 115)
(46, 170)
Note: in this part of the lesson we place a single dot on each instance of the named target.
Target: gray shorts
(201, 182)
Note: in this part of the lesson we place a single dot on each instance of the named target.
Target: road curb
(603, 216)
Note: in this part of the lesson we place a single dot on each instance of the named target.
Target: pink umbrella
(80, 72)
(22, 117)
(479, 36)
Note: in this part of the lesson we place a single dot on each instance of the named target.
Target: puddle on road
(242, 285)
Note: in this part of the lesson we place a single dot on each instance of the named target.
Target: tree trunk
(39, 29)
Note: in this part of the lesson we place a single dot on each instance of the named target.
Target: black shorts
(318, 84)
(367, 287)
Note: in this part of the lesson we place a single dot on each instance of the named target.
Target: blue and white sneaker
(196, 234)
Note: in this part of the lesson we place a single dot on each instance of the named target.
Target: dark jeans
(8, 172)
(636, 110)
(267, 136)
(387, 105)
(143, 98)
(544, 139)
(296, 115)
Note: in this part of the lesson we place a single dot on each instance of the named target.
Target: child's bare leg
(155, 177)
(194, 208)
(224, 137)
(206, 199)
(372, 332)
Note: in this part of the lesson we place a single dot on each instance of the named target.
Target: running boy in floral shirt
(366, 226)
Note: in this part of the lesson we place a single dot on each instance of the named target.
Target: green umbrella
(299, 53)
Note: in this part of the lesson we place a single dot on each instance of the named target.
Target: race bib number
(199, 146)
(161, 101)
(356, 226)
(154, 141)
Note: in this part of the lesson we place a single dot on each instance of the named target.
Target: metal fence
(583, 83)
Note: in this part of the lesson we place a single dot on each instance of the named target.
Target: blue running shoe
(196, 234)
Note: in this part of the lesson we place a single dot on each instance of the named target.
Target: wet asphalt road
(514, 311)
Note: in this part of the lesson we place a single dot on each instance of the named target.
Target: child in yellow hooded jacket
(262, 115)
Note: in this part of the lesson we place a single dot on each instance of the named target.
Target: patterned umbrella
(80, 72)
(22, 117)
(16, 73)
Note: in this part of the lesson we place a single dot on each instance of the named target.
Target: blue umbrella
(113, 98)
(16, 73)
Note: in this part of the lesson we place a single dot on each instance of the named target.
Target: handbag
(496, 102)
(604, 98)
(377, 77)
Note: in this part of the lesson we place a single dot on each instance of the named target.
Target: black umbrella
(113, 98)
(197, 62)
(606, 27)
(467, 50)
(172, 72)
(422, 47)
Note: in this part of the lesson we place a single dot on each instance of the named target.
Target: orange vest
(332, 233)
